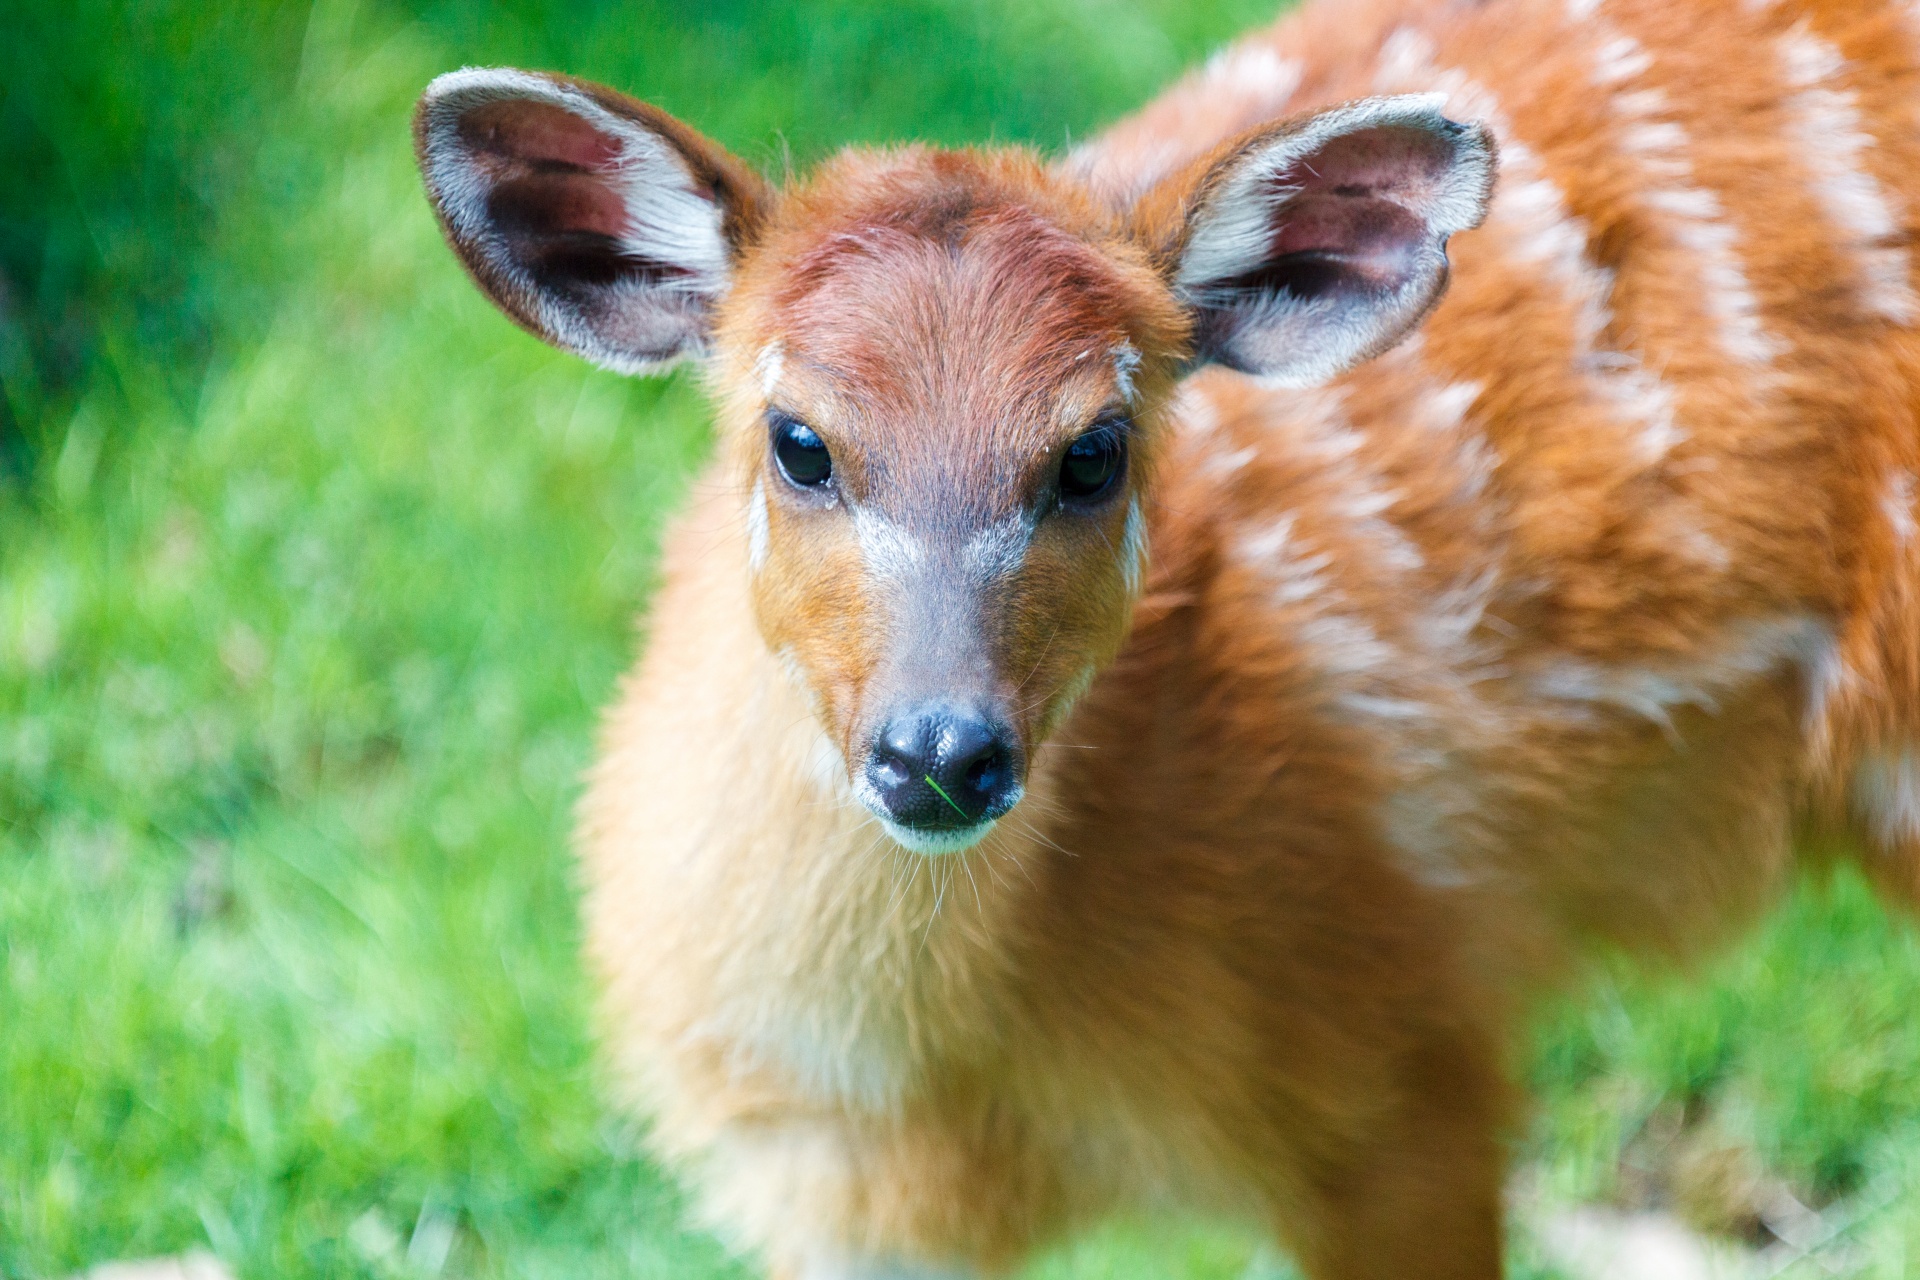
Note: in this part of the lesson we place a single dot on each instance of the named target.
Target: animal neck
(906, 954)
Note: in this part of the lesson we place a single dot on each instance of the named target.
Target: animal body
(1143, 696)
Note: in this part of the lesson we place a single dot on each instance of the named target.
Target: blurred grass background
(313, 573)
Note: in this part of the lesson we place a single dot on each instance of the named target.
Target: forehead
(943, 293)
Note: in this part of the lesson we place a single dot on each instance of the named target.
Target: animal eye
(800, 451)
(1092, 462)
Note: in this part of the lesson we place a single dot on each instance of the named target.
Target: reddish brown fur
(1441, 674)
(949, 412)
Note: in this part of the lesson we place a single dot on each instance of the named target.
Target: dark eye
(800, 451)
(1092, 462)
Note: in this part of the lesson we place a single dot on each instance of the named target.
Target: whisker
(966, 864)
(1044, 651)
(939, 896)
(1036, 833)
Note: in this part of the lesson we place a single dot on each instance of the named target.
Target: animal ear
(599, 223)
(1312, 245)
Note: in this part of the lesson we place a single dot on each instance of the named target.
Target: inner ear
(599, 222)
(1315, 244)
(551, 200)
(1347, 224)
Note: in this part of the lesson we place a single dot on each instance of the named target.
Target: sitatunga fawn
(1133, 714)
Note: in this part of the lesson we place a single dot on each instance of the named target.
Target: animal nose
(942, 769)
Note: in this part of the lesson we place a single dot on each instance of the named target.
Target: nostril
(900, 754)
(889, 770)
(985, 774)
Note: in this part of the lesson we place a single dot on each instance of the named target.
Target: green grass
(313, 573)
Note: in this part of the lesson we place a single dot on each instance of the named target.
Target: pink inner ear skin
(537, 133)
(548, 168)
(1371, 235)
(1357, 200)
(557, 204)
(1400, 164)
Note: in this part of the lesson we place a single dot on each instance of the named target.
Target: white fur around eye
(757, 531)
(1126, 363)
(1133, 549)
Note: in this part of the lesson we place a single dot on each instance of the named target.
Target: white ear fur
(1241, 218)
(636, 322)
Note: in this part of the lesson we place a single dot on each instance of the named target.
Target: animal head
(942, 375)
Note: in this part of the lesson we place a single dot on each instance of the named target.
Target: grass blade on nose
(941, 792)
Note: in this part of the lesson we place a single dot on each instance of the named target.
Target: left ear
(1312, 245)
(601, 224)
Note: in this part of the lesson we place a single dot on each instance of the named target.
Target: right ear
(600, 223)
(1307, 246)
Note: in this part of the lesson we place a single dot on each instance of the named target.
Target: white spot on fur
(1126, 363)
(1341, 645)
(1886, 795)
(1347, 646)
(1255, 69)
(1834, 144)
(1296, 577)
(1703, 546)
(757, 527)
(1695, 216)
(1447, 407)
(1656, 690)
(1133, 548)
(1457, 612)
(890, 551)
(1897, 504)
(1225, 464)
(1829, 677)
(1618, 59)
(770, 364)
(1319, 429)
(1541, 232)
(1410, 687)
(1193, 411)
(1698, 224)
(999, 549)
(1439, 797)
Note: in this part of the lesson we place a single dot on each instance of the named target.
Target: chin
(935, 843)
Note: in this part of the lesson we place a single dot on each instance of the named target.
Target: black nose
(941, 768)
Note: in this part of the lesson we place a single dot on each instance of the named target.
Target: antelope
(1147, 693)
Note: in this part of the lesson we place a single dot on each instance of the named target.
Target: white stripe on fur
(1834, 145)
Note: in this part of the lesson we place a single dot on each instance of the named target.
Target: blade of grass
(941, 792)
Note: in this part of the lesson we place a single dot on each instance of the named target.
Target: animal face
(943, 374)
(944, 380)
